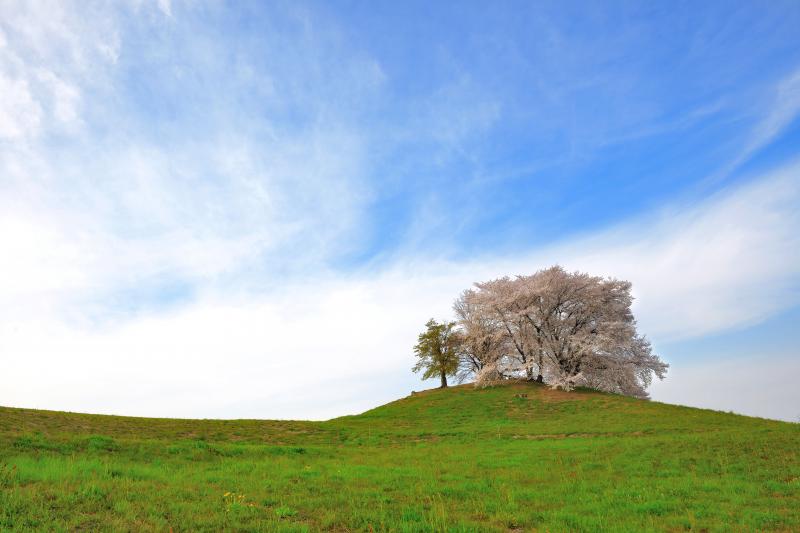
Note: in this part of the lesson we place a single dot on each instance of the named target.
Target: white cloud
(236, 353)
(245, 221)
(65, 36)
(780, 109)
(783, 110)
(47, 50)
(123, 207)
(65, 97)
(731, 261)
(20, 114)
(166, 7)
(208, 356)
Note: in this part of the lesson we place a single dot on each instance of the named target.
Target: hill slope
(462, 459)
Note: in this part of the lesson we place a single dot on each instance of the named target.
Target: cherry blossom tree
(483, 342)
(566, 329)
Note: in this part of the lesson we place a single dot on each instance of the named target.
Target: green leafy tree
(438, 350)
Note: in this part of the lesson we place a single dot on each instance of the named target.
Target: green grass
(515, 457)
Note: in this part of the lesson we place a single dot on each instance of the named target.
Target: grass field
(514, 457)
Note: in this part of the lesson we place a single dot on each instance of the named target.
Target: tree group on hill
(566, 329)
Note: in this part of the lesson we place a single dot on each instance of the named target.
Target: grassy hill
(514, 457)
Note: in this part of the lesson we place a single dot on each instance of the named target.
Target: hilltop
(512, 457)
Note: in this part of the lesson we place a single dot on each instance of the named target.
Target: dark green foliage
(516, 457)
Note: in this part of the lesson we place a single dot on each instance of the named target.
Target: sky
(250, 209)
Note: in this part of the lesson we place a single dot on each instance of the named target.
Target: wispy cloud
(48, 54)
(696, 270)
(779, 107)
(784, 109)
(175, 194)
(93, 204)
(731, 261)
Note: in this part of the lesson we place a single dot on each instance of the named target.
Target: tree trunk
(540, 378)
(444, 380)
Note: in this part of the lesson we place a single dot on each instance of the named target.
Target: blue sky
(206, 207)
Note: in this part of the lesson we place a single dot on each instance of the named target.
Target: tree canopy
(438, 351)
(556, 327)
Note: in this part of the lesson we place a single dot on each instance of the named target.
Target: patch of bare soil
(547, 394)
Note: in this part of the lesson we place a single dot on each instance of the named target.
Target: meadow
(505, 458)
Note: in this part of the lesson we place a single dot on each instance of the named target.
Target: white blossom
(565, 329)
